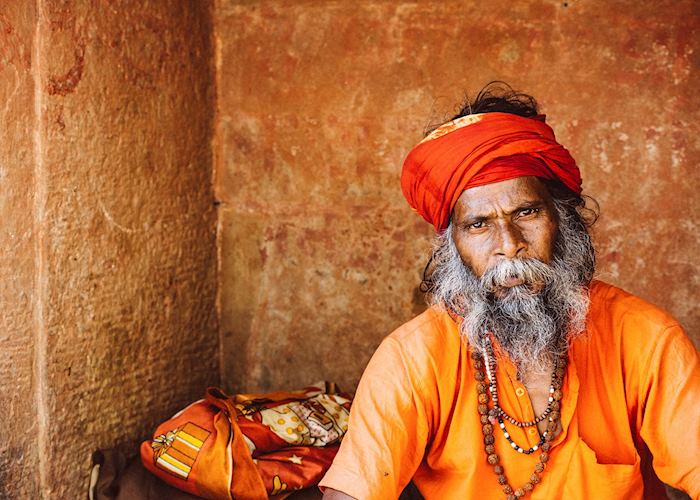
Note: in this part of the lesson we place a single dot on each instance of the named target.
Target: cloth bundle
(250, 446)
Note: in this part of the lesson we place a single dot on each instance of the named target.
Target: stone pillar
(109, 249)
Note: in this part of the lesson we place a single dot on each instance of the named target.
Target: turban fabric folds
(481, 149)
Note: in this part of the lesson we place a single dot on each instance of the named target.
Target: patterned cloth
(250, 446)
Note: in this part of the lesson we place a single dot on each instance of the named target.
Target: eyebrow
(472, 218)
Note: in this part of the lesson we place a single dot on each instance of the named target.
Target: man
(525, 377)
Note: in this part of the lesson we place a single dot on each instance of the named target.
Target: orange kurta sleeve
(387, 431)
(670, 406)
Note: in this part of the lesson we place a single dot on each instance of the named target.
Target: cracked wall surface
(109, 264)
(319, 103)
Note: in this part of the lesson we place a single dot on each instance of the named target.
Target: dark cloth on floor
(122, 478)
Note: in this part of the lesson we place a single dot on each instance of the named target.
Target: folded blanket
(250, 446)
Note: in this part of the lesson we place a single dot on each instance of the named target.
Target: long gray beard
(533, 322)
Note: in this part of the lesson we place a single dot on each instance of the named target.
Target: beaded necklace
(497, 411)
(485, 370)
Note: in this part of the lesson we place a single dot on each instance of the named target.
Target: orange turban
(481, 149)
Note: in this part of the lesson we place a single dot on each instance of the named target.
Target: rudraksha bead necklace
(487, 422)
(497, 412)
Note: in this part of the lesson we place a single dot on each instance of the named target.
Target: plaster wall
(109, 264)
(18, 448)
(320, 101)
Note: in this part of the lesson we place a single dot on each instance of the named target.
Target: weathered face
(511, 219)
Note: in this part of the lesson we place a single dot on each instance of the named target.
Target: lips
(512, 281)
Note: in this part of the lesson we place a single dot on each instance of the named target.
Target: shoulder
(420, 346)
(636, 327)
(430, 334)
(427, 327)
(620, 308)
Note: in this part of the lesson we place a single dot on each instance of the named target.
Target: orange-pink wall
(109, 268)
(320, 101)
(108, 262)
(18, 449)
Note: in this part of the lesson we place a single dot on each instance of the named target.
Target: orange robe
(631, 395)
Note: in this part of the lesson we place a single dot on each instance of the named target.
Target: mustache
(533, 320)
(533, 274)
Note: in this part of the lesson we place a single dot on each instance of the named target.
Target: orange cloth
(480, 149)
(249, 446)
(633, 382)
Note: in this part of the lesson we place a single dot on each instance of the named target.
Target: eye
(528, 211)
(480, 224)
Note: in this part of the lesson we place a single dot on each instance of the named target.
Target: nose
(511, 242)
